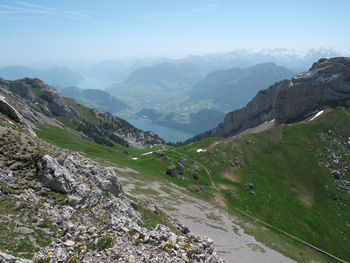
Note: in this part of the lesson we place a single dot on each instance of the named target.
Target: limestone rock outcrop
(327, 83)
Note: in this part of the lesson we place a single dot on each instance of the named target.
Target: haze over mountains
(175, 90)
(57, 76)
(292, 164)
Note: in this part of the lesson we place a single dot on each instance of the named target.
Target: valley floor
(203, 218)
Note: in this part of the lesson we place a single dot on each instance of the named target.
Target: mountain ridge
(327, 83)
(39, 103)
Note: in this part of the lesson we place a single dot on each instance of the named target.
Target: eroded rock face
(257, 111)
(7, 109)
(327, 83)
(82, 179)
(54, 176)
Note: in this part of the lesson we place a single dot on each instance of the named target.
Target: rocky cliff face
(58, 206)
(39, 103)
(327, 83)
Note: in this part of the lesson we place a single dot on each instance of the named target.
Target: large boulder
(171, 170)
(54, 176)
(84, 181)
(180, 169)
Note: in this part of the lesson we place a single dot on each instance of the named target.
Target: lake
(166, 133)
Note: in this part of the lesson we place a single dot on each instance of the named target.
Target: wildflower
(174, 242)
(49, 253)
(106, 249)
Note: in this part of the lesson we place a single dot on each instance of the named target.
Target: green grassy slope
(292, 191)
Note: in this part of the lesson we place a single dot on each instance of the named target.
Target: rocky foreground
(58, 206)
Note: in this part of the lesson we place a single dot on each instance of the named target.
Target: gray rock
(54, 176)
(171, 170)
(6, 258)
(159, 153)
(180, 168)
(327, 83)
(182, 160)
(7, 109)
(336, 174)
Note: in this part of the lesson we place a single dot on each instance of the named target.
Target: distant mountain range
(233, 88)
(99, 99)
(327, 83)
(166, 74)
(296, 59)
(177, 96)
(56, 76)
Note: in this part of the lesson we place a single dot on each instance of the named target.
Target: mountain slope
(59, 206)
(295, 178)
(96, 98)
(39, 103)
(327, 83)
(183, 74)
(162, 86)
(233, 88)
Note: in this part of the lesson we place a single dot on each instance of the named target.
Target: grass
(151, 218)
(15, 242)
(281, 163)
(283, 166)
(35, 91)
(85, 113)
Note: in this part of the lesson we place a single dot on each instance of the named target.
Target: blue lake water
(95, 83)
(166, 133)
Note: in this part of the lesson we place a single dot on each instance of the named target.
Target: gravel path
(204, 218)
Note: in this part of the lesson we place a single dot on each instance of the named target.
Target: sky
(49, 30)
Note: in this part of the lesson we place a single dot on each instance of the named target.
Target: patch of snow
(134, 158)
(147, 153)
(200, 150)
(317, 114)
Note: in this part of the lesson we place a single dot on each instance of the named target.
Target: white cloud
(207, 8)
(21, 10)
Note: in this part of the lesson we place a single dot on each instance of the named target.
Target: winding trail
(264, 223)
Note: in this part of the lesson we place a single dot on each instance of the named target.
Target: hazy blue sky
(101, 29)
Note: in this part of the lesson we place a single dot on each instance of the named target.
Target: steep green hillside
(278, 176)
(96, 98)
